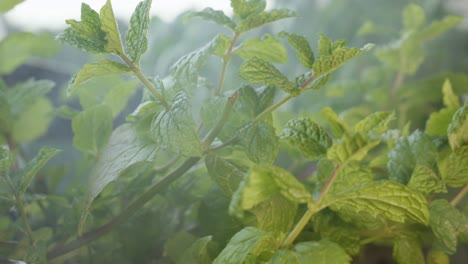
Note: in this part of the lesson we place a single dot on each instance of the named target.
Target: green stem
(460, 195)
(226, 59)
(136, 70)
(273, 107)
(20, 206)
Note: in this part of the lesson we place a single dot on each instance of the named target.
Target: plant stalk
(273, 107)
(20, 206)
(460, 195)
(226, 59)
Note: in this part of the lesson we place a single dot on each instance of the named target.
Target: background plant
(204, 173)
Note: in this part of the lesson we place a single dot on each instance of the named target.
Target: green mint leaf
(175, 129)
(263, 18)
(109, 26)
(91, 70)
(92, 129)
(260, 141)
(437, 257)
(458, 128)
(438, 27)
(178, 243)
(413, 17)
(16, 48)
(5, 113)
(185, 70)
(376, 123)
(311, 139)
(216, 16)
(267, 49)
(328, 63)
(265, 98)
(7, 5)
(225, 173)
(351, 147)
(454, 168)
(446, 223)
(438, 122)
(144, 109)
(86, 34)
(451, 100)
(425, 180)
(33, 167)
(409, 151)
(198, 252)
(23, 94)
(256, 70)
(302, 48)
(321, 252)
(136, 41)
(338, 126)
(33, 121)
(407, 249)
(124, 149)
(386, 198)
(5, 161)
(324, 46)
(249, 245)
(117, 98)
(353, 174)
(276, 214)
(244, 8)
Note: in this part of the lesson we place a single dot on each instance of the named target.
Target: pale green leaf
(425, 180)
(86, 34)
(92, 129)
(376, 123)
(351, 147)
(6, 5)
(338, 126)
(321, 252)
(117, 98)
(197, 253)
(446, 223)
(458, 128)
(302, 48)
(409, 151)
(438, 27)
(244, 8)
(136, 41)
(267, 49)
(217, 16)
(389, 199)
(250, 245)
(437, 257)
(175, 128)
(451, 100)
(263, 18)
(353, 174)
(413, 17)
(407, 249)
(124, 149)
(5, 161)
(21, 96)
(256, 70)
(276, 214)
(438, 122)
(91, 70)
(109, 26)
(311, 139)
(454, 168)
(33, 167)
(324, 46)
(225, 173)
(16, 48)
(33, 121)
(259, 140)
(177, 244)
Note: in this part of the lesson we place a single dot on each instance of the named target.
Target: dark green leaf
(321, 252)
(249, 245)
(256, 70)
(260, 141)
(446, 223)
(263, 18)
(426, 181)
(198, 252)
(136, 41)
(109, 26)
(302, 48)
(6, 5)
(386, 198)
(91, 70)
(409, 151)
(33, 167)
(376, 123)
(86, 34)
(458, 128)
(225, 173)
(177, 244)
(244, 8)
(267, 48)
(216, 16)
(454, 169)
(351, 147)
(92, 129)
(407, 250)
(311, 139)
(175, 129)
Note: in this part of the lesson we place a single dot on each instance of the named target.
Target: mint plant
(200, 173)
